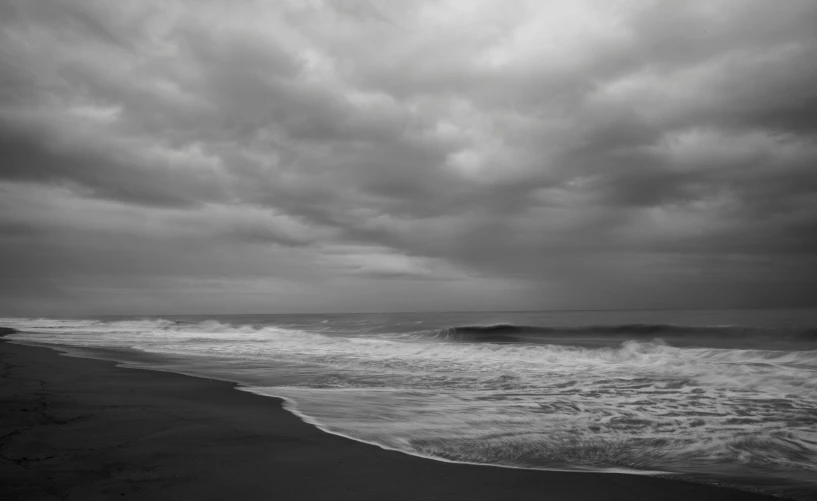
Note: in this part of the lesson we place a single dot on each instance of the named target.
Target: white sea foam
(641, 404)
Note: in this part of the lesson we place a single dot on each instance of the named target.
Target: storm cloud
(183, 156)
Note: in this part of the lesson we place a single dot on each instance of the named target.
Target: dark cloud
(100, 173)
(347, 155)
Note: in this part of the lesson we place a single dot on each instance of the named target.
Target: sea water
(721, 396)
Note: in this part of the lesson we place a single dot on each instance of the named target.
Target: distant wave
(136, 331)
(626, 329)
(513, 332)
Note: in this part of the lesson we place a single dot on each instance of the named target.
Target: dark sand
(73, 428)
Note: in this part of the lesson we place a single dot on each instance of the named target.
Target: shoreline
(131, 359)
(81, 428)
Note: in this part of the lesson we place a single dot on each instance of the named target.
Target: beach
(75, 428)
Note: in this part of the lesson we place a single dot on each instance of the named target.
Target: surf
(639, 401)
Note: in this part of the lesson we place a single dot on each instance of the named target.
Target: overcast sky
(221, 156)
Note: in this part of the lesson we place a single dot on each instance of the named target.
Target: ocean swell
(686, 334)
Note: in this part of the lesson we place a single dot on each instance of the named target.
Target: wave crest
(503, 332)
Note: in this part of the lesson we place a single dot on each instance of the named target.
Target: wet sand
(73, 428)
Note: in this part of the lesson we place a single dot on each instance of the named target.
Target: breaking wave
(704, 334)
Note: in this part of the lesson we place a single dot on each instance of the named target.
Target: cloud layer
(347, 155)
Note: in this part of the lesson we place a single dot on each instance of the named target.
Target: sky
(284, 156)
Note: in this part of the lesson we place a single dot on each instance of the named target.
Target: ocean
(725, 397)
